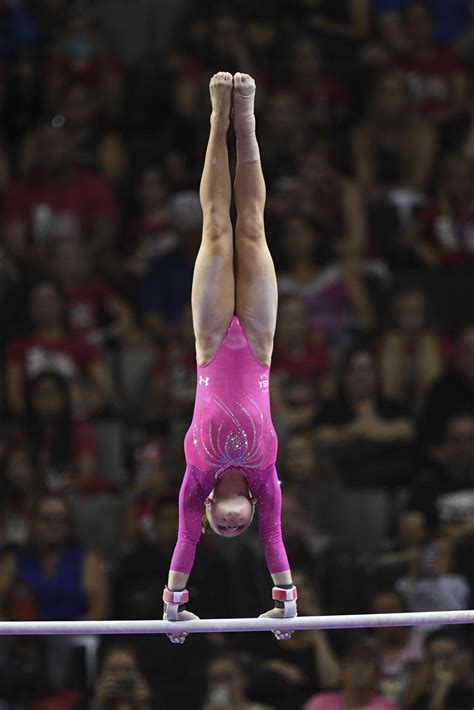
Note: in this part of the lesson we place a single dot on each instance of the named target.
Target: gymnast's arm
(191, 503)
(269, 522)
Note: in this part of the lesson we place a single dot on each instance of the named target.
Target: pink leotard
(231, 429)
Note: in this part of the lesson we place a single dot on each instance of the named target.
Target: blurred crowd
(365, 116)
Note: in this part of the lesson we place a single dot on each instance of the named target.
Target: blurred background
(365, 116)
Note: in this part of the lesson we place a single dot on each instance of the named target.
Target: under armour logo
(263, 383)
(203, 380)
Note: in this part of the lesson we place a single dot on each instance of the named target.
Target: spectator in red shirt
(151, 233)
(443, 234)
(301, 368)
(65, 448)
(435, 74)
(50, 348)
(56, 197)
(95, 310)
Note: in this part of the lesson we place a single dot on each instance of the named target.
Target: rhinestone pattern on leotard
(236, 438)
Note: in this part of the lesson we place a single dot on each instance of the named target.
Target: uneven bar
(210, 626)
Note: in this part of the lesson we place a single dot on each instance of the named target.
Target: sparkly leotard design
(231, 429)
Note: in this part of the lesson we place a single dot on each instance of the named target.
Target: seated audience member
(334, 293)
(29, 675)
(453, 23)
(307, 663)
(393, 148)
(93, 147)
(227, 680)
(95, 309)
(167, 286)
(430, 585)
(150, 483)
(411, 355)
(435, 74)
(441, 235)
(50, 348)
(20, 489)
(56, 197)
(142, 569)
(413, 533)
(79, 53)
(400, 651)
(321, 95)
(151, 233)
(174, 377)
(65, 449)
(67, 582)
(451, 658)
(121, 683)
(443, 490)
(301, 374)
(366, 435)
(451, 393)
(360, 674)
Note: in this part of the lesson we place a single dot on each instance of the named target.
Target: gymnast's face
(229, 516)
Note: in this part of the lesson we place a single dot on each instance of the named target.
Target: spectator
(393, 148)
(301, 375)
(360, 672)
(96, 311)
(21, 487)
(141, 571)
(150, 235)
(430, 585)
(226, 685)
(174, 377)
(50, 348)
(56, 198)
(93, 147)
(453, 23)
(435, 74)
(121, 683)
(334, 293)
(367, 435)
(167, 286)
(80, 54)
(412, 533)
(18, 29)
(452, 392)
(341, 29)
(443, 489)
(67, 581)
(150, 483)
(441, 235)
(451, 659)
(411, 355)
(65, 448)
(323, 98)
(307, 663)
(333, 200)
(400, 650)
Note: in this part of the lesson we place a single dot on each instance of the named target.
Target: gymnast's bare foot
(220, 88)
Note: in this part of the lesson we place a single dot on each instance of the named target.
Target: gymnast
(231, 444)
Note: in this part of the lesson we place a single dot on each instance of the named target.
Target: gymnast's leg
(213, 291)
(256, 285)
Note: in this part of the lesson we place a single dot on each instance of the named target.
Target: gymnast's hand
(180, 636)
(276, 613)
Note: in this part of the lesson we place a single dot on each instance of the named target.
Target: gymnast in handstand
(231, 445)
